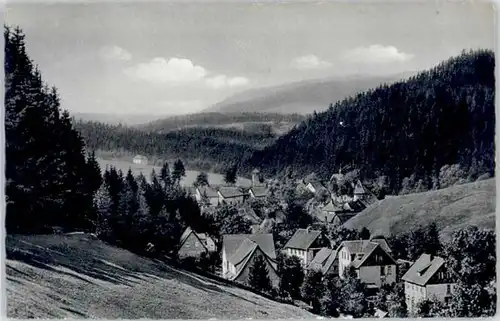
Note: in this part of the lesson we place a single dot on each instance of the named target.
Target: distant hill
(78, 276)
(451, 208)
(252, 122)
(300, 97)
(442, 116)
(115, 119)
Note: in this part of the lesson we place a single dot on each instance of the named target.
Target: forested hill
(200, 148)
(441, 116)
(243, 120)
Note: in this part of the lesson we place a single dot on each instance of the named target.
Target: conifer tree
(259, 275)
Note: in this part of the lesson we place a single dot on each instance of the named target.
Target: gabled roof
(231, 191)
(355, 206)
(363, 249)
(359, 188)
(302, 239)
(317, 185)
(423, 269)
(380, 314)
(208, 191)
(140, 157)
(325, 258)
(259, 191)
(201, 236)
(383, 243)
(232, 242)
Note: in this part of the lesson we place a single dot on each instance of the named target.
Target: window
(389, 269)
(448, 289)
(352, 257)
(382, 271)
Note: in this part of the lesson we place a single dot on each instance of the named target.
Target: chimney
(255, 177)
(431, 257)
(308, 229)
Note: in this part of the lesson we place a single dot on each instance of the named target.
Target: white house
(206, 195)
(139, 159)
(427, 278)
(371, 259)
(304, 244)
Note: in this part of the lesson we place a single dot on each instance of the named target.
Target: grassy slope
(451, 208)
(77, 276)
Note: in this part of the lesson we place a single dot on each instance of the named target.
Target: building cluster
(372, 260)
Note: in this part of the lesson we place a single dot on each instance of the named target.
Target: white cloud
(181, 71)
(309, 62)
(376, 54)
(222, 81)
(115, 53)
(174, 70)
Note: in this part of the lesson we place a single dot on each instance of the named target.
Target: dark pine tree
(259, 275)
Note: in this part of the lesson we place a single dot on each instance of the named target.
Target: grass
(124, 165)
(78, 276)
(451, 208)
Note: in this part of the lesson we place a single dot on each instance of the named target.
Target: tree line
(443, 116)
(217, 119)
(212, 149)
(50, 177)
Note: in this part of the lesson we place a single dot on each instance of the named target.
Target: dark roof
(423, 269)
(189, 231)
(345, 216)
(302, 239)
(325, 258)
(259, 191)
(363, 248)
(231, 191)
(232, 242)
(208, 191)
(383, 243)
(355, 206)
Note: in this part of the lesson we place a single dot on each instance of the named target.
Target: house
(207, 195)
(427, 278)
(139, 159)
(239, 252)
(371, 260)
(380, 313)
(325, 261)
(258, 192)
(337, 214)
(304, 244)
(315, 187)
(193, 244)
(363, 195)
(231, 195)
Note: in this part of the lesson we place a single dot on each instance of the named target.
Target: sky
(174, 58)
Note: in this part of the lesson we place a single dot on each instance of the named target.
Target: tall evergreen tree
(259, 275)
(179, 171)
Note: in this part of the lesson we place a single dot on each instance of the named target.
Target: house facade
(139, 159)
(239, 252)
(193, 244)
(371, 260)
(304, 244)
(258, 192)
(427, 278)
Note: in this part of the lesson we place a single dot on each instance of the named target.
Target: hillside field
(124, 165)
(451, 208)
(78, 276)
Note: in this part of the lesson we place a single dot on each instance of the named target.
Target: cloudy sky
(171, 58)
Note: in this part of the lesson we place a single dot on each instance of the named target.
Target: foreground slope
(451, 208)
(77, 276)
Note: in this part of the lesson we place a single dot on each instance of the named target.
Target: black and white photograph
(239, 160)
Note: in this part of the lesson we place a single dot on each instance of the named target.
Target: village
(369, 259)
